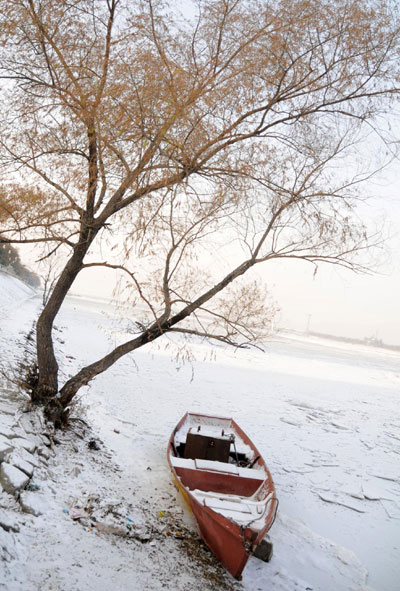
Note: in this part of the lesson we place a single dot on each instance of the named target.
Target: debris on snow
(44, 452)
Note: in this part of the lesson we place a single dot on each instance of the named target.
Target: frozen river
(325, 416)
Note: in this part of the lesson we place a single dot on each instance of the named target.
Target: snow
(7, 522)
(324, 416)
(23, 443)
(5, 448)
(32, 502)
(12, 292)
(11, 478)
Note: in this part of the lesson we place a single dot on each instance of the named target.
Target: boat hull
(223, 538)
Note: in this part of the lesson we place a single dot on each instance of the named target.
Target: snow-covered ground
(324, 415)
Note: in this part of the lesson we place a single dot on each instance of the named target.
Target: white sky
(335, 301)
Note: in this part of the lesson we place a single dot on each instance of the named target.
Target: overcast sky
(334, 301)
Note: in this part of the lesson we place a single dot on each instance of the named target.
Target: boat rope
(247, 544)
(254, 461)
(232, 438)
(268, 501)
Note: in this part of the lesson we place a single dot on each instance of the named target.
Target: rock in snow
(5, 448)
(12, 479)
(26, 456)
(7, 432)
(15, 460)
(7, 521)
(23, 443)
(32, 502)
(44, 452)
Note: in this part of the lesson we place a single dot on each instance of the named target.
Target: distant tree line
(10, 260)
(369, 341)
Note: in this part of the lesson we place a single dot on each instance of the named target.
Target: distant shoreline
(368, 342)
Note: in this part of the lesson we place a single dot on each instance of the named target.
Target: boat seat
(221, 467)
(218, 477)
(241, 510)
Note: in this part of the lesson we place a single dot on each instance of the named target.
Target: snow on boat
(226, 484)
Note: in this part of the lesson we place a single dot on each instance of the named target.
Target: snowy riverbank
(325, 418)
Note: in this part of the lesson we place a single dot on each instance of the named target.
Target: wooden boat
(226, 484)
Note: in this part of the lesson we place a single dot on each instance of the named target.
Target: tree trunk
(47, 386)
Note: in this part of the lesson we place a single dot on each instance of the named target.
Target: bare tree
(123, 124)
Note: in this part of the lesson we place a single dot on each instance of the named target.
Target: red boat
(227, 485)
